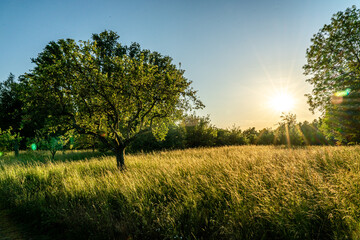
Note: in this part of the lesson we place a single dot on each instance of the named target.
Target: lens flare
(33, 146)
(1, 153)
(343, 93)
(337, 98)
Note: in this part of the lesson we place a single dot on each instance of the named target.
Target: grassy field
(246, 192)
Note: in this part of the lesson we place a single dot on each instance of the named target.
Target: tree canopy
(10, 104)
(109, 90)
(333, 65)
(11, 112)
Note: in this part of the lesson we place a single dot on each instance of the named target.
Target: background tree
(11, 112)
(333, 64)
(8, 139)
(265, 137)
(102, 88)
(198, 131)
(250, 134)
(313, 133)
(84, 141)
(175, 139)
(288, 133)
(232, 136)
(53, 141)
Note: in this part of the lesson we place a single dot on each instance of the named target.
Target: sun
(282, 102)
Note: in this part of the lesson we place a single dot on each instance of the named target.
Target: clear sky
(239, 54)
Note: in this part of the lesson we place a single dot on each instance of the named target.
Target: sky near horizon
(239, 54)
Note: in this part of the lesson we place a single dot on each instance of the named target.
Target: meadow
(239, 192)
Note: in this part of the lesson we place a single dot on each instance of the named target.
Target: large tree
(333, 65)
(111, 91)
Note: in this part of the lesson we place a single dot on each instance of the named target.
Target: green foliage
(52, 142)
(108, 90)
(175, 139)
(288, 133)
(332, 59)
(83, 141)
(228, 137)
(196, 131)
(199, 132)
(12, 113)
(8, 139)
(10, 104)
(246, 192)
(333, 64)
(265, 137)
(341, 122)
(250, 135)
(313, 133)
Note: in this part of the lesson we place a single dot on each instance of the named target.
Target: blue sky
(239, 54)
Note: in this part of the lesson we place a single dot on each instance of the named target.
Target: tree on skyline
(333, 65)
(105, 89)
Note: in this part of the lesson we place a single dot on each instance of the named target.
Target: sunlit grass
(247, 192)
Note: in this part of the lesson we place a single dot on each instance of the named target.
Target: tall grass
(247, 192)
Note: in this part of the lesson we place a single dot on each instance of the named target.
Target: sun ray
(302, 135)
(276, 135)
(287, 135)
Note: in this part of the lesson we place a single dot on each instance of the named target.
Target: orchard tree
(333, 65)
(108, 90)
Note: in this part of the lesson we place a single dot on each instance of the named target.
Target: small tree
(53, 141)
(113, 92)
(9, 140)
(53, 144)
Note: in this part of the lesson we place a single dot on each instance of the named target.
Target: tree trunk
(53, 152)
(16, 148)
(120, 158)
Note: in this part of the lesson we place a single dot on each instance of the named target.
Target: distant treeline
(193, 131)
(196, 131)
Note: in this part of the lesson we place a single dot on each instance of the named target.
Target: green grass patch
(247, 192)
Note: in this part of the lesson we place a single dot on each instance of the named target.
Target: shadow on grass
(43, 157)
(15, 229)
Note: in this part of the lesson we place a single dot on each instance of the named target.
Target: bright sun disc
(282, 102)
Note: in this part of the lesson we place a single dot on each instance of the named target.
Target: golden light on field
(282, 102)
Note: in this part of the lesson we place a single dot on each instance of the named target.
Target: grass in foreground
(247, 192)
